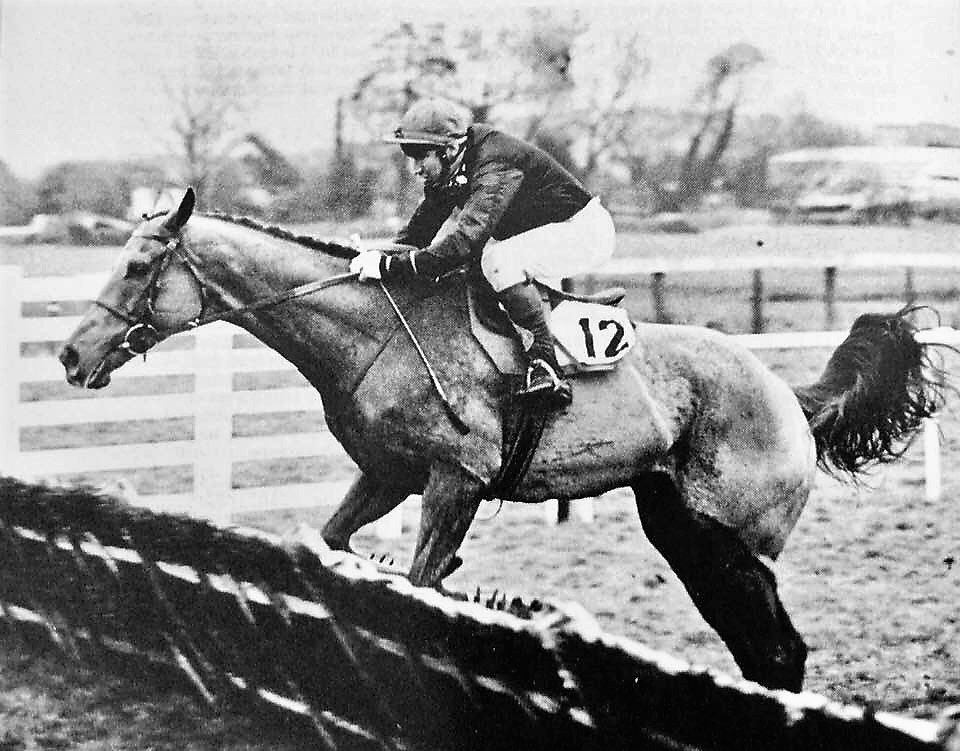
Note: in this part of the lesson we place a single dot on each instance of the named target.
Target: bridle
(142, 334)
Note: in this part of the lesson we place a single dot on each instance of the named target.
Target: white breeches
(553, 251)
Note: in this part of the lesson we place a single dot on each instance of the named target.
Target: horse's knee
(660, 510)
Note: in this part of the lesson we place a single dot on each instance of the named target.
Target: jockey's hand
(369, 265)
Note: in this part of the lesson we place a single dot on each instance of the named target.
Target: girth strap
(522, 431)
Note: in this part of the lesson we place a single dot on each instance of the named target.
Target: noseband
(142, 334)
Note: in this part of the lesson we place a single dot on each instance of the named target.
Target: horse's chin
(99, 377)
(101, 374)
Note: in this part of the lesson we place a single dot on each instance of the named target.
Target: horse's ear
(176, 221)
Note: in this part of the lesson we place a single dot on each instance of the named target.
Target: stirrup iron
(556, 393)
(543, 365)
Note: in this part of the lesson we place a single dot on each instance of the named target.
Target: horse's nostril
(69, 356)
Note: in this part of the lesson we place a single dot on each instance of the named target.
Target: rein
(457, 421)
(290, 294)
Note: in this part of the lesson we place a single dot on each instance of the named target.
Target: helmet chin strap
(451, 166)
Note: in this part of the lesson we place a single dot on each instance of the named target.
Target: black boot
(543, 383)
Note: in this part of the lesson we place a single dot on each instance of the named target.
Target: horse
(720, 453)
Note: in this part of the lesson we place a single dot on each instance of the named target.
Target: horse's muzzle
(70, 359)
(96, 378)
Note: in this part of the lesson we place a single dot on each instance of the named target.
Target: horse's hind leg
(366, 501)
(734, 592)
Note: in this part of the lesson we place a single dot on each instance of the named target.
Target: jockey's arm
(426, 220)
(494, 188)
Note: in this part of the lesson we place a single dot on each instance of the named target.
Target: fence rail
(211, 361)
(657, 269)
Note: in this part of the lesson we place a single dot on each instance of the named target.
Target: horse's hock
(367, 660)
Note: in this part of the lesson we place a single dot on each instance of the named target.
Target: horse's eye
(136, 268)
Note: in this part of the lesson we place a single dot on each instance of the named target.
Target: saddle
(590, 332)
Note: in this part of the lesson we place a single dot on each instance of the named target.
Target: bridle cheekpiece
(142, 334)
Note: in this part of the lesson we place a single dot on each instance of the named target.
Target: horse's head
(152, 293)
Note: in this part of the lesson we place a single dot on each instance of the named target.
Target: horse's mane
(314, 243)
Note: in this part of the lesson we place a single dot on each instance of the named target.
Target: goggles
(417, 151)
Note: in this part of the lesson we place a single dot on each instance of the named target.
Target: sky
(85, 79)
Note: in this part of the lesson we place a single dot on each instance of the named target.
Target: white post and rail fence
(213, 403)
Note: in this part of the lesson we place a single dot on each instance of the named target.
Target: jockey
(542, 222)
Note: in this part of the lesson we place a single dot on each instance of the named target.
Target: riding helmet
(431, 122)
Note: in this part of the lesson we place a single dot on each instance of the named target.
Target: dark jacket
(503, 187)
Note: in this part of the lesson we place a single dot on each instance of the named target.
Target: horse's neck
(318, 332)
(247, 265)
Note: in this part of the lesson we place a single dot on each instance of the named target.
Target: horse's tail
(876, 390)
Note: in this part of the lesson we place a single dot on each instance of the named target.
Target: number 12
(616, 344)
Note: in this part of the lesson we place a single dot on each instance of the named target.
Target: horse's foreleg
(734, 592)
(366, 501)
(450, 501)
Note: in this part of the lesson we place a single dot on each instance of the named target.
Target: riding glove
(370, 264)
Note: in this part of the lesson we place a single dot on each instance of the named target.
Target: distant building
(922, 134)
(901, 164)
(860, 181)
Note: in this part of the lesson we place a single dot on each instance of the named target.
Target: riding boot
(543, 384)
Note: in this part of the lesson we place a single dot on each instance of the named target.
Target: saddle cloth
(590, 333)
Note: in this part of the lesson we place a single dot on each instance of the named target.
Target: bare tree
(512, 76)
(509, 74)
(208, 105)
(482, 69)
(610, 73)
(550, 79)
(718, 100)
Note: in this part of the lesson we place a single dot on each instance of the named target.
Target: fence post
(213, 423)
(909, 293)
(757, 302)
(587, 284)
(931, 459)
(10, 310)
(658, 290)
(830, 296)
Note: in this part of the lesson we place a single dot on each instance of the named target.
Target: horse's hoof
(459, 596)
(455, 563)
